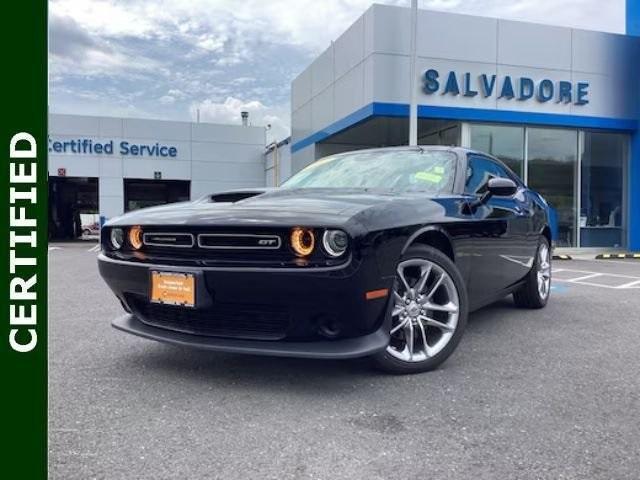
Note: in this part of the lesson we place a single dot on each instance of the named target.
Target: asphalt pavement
(546, 394)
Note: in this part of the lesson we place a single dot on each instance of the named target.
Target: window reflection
(552, 171)
(552, 159)
(601, 195)
(503, 142)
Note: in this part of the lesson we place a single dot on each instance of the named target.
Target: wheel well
(436, 239)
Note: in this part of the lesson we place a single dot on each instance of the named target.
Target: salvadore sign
(507, 87)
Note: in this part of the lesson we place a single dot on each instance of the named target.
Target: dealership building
(559, 105)
(105, 166)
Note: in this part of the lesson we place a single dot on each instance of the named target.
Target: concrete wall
(213, 157)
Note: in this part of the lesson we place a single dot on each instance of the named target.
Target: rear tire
(537, 287)
(429, 312)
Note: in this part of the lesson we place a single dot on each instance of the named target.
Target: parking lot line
(621, 262)
(584, 277)
(634, 284)
(587, 272)
(609, 280)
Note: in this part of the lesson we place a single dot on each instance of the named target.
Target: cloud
(167, 99)
(585, 14)
(163, 58)
(228, 112)
(73, 50)
(111, 17)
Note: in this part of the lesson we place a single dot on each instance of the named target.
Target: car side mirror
(501, 187)
(498, 187)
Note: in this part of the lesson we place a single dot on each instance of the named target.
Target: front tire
(537, 287)
(429, 312)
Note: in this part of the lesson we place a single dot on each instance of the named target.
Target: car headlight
(135, 237)
(302, 241)
(335, 242)
(117, 238)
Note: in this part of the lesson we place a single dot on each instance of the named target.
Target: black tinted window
(479, 171)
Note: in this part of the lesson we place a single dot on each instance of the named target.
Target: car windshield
(398, 170)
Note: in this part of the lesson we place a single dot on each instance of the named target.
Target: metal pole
(413, 106)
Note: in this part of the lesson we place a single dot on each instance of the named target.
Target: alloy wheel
(426, 310)
(544, 271)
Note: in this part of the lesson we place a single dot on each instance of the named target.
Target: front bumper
(261, 311)
(335, 349)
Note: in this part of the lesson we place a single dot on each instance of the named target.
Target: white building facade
(109, 165)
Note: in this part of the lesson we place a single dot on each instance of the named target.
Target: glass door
(552, 156)
(602, 164)
(503, 142)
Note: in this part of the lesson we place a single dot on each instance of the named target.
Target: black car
(378, 253)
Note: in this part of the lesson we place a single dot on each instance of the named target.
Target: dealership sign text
(88, 146)
(522, 88)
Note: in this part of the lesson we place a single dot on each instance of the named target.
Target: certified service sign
(88, 146)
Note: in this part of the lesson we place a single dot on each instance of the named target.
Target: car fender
(429, 228)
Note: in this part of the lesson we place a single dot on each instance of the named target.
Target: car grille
(212, 246)
(252, 322)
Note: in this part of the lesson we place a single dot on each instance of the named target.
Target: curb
(608, 256)
(562, 257)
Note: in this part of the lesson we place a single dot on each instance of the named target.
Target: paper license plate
(173, 288)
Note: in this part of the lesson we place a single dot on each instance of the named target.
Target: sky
(169, 59)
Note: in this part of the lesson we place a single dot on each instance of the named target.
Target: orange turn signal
(135, 237)
(373, 294)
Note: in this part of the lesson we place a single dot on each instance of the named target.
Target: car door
(502, 249)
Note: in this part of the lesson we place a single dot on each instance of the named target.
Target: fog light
(135, 237)
(117, 238)
(335, 242)
(329, 327)
(302, 241)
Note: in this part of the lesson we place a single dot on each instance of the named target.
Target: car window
(479, 171)
(397, 170)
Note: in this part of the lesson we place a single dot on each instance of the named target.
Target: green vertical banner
(23, 243)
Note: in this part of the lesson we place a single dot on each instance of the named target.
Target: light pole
(413, 105)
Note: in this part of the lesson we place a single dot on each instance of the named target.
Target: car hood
(277, 207)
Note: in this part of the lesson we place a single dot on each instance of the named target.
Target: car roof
(419, 148)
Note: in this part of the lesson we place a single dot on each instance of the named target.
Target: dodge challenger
(377, 253)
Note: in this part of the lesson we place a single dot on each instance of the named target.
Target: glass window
(431, 171)
(141, 193)
(601, 201)
(552, 160)
(479, 171)
(505, 143)
(432, 131)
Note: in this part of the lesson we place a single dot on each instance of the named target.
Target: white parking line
(587, 272)
(634, 284)
(622, 262)
(95, 248)
(629, 281)
(584, 277)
